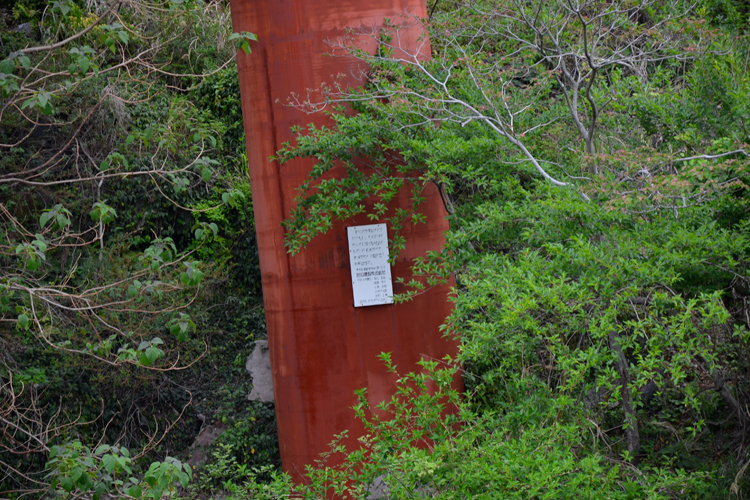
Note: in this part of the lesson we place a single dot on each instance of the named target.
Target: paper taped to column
(371, 271)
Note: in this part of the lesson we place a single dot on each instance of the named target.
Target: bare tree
(502, 57)
(580, 40)
(454, 85)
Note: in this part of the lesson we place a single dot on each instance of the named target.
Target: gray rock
(378, 490)
(24, 28)
(648, 391)
(258, 365)
(595, 397)
(205, 438)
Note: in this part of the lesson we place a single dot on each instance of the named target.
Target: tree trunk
(631, 419)
(721, 387)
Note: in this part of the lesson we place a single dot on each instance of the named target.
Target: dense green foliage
(129, 276)
(592, 160)
(593, 163)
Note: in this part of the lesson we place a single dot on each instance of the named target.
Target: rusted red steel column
(322, 347)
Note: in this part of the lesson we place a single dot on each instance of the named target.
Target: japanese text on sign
(371, 272)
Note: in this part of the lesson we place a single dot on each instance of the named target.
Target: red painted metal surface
(322, 348)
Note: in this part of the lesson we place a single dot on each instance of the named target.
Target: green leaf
(241, 40)
(133, 290)
(44, 218)
(155, 493)
(153, 353)
(183, 478)
(62, 221)
(83, 64)
(206, 174)
(68, 484)
(39, 243)
(102, 449)
(63, 7)
(85, 482)
(99, 490)
(25, 62)
(76, 473)
(32, 264)
(104, 212)
(144, 359)
(134, 491)
(7, 66)
(129, 139)
(23, 321)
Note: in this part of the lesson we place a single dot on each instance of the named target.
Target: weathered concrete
(258, 365)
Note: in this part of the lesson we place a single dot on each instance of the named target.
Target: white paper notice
(371, 272)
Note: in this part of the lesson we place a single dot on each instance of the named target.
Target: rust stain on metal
(322, 348)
